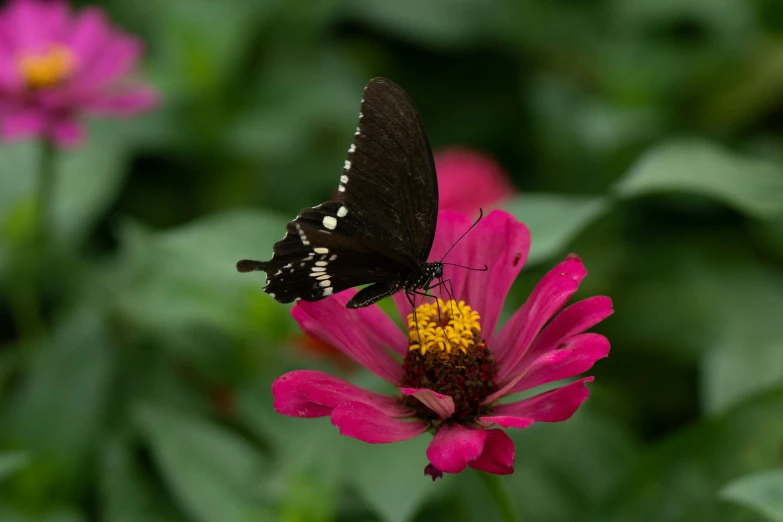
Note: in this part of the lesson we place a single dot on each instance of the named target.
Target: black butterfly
(381, 231)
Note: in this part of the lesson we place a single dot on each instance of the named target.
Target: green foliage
(762, 491)
(136, 364)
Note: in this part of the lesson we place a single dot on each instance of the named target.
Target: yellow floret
(445, 326)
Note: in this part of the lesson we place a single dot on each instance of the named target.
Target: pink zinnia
(469, 180)
(452, 371)
(54, 66)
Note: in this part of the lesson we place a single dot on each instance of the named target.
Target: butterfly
(380, 232)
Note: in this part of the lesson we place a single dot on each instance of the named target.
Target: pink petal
(469, 180)
(573, 320)
(505, 421)
(497, 456)
(89, 33)
(116, 58)
(125, 103)
(361, 421)
(67, 133)
(552, 406)
(441, 404)
(290, 400)
(454, 447)
(502, 243)
(306, 393)
(498, 241)
(348, 331)
(579, 355)
(549, 295)
(383, 332)
(33, 24)
(11, 82)
(22, 124)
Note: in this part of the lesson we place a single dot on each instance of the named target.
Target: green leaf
(11, 462)
(214, 474)
(565, 469)
(126, 493)
(59, 410)
(187, 276)
(439, 23)
(38, 515)
(762, 492)
(747, 352)
(554, 220)
(749, 185)
(390, 477)
(679, 480)
(199, 43)
(87, 180)
(312, 479)
(311, 476)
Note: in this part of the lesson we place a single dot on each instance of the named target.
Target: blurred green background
(645, 136)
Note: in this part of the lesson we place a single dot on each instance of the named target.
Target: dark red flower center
(447, 355)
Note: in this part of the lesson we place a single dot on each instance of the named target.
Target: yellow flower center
(46, 69)
(449, 327)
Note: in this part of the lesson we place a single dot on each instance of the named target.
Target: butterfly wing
(314, 261)
(384, 225)
(389, 179)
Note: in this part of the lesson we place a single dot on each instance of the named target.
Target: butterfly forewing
(389, 174)
(381, 231)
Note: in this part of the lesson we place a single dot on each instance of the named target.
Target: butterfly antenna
(481, 215)
(468, 267)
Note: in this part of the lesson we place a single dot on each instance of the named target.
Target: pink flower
(55, 65)
(455, 367)
(469, 180)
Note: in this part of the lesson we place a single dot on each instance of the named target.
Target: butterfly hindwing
(314, 261)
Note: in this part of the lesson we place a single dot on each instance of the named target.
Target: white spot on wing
(325, 283)
(347, 165)
(328, 291)
(341, 188)
(342, 212)
(319, 269)
(332, 257)
(321, 250)
(323, 276)
(352, 149)
(321, 263)
(330, 222)
(343, 179)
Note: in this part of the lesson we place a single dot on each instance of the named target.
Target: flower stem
(46, 180)
(499, 492)
(25, 296)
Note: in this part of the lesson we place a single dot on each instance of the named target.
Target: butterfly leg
(412, 301)
(449, 291)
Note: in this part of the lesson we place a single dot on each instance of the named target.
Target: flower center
(447, 355)
(41, 70)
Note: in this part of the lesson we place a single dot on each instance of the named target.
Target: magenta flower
(469, 180)
(452, 371)
(55, 65)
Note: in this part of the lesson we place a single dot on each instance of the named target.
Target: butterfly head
(437, 269)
